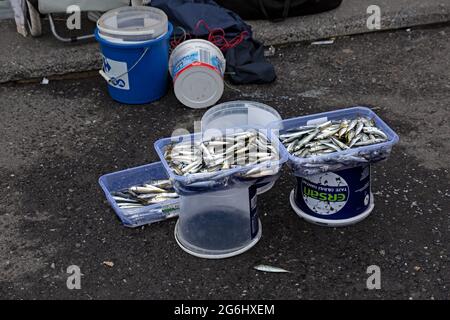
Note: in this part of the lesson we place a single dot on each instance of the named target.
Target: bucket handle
(114, 80)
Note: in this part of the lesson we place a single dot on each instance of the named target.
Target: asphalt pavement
(57, 139)
(23, 58)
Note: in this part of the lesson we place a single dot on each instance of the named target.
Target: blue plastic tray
(126, 178)
(337, 160)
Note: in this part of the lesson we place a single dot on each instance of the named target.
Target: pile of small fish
(152, 192)
(331, 136)
(221, 153)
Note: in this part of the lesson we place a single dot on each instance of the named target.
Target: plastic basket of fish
(335, 140)
(205, 163)
(141, 195)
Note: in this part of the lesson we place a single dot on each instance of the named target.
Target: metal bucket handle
(114, 80)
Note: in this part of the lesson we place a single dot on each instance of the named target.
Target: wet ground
(57, 139)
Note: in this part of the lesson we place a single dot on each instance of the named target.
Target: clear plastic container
(218, 224)
(120, 180)
(132, 24)
(218, 178)
(235, 114)
(337, 160)
(241, 113)
(218, 216)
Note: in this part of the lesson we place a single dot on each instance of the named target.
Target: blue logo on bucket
(119, 83)
(117, 71)
(106, 65)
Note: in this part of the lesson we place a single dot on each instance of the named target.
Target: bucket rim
(239, 104)
(239, 251)
(134, 44)
(328, 222)
(138, 9)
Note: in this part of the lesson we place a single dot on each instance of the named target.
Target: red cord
(174, 42)
(216, 36)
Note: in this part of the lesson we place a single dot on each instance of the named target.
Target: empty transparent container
(220, 223)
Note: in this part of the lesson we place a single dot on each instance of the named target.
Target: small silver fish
(292, 136)
(375, 131)
(369, 142)
(339, 143)
(124, 200)
(355, 140)
(266, 268)
(129, 205)
(146, 189)
(327, 133)
(165, 183)
(352, 125)
(306, 139)
(324, 125)
(359, 127)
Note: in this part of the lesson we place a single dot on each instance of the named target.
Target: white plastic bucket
(197, 67)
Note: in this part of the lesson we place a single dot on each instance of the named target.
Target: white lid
(235, 114)
(198, 87)
(137, 23)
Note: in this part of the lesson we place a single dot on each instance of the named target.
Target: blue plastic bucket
(137, 72)
(334, 198)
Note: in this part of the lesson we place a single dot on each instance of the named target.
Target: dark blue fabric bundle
(245, 62)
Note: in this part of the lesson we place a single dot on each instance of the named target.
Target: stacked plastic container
(241, 114)
(334, 189)
(218, 210)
